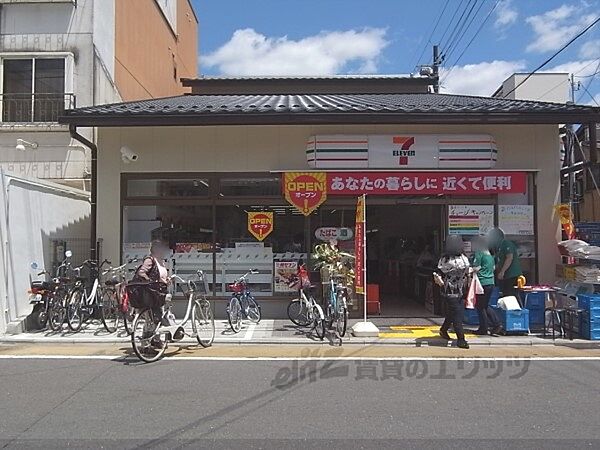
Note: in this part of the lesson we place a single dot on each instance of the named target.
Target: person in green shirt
(483, 265)
(507, 262)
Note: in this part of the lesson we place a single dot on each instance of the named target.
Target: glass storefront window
(197, 187)
(250, 187)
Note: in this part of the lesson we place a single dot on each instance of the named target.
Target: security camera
(128, 155)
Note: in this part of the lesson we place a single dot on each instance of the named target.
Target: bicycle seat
(41, 285)
(112, 282)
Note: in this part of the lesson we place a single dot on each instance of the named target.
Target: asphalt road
(299, 404)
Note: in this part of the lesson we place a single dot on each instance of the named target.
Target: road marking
(310, 358)
(249, 332)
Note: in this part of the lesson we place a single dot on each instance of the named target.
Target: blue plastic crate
(587, 301)
(592, 313)
(514, 321)
(533, 300)
(593, 322)
(471, 317)
(589, 331)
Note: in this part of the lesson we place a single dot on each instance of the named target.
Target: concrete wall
(150, 57)
(264, 148)
(33, 213)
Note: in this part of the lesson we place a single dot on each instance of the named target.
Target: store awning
(424, 108)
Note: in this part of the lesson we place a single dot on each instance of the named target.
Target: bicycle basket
(146, 294)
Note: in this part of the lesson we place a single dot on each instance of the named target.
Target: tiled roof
(321, 108)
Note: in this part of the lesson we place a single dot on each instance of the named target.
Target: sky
(326, 37)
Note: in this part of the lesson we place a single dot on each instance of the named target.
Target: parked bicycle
(304, 311)
(151, 335)
(49, 297)
(242, 303)
(112, 294)
(336, 313)
(86, 301)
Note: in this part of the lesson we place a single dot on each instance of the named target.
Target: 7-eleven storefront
(418, 189)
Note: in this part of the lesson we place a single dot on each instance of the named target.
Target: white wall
(546, 87)
(32, 213)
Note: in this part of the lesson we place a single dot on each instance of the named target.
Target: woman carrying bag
(451, 276)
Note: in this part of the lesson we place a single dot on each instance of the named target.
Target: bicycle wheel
(252, 309)
(74, 312)
(203, 323)
(319, 324)
(109, 310)
(297, 312)
(234, 314)
(56, 315)
(147, 345)
(341, 316)
(128, 318)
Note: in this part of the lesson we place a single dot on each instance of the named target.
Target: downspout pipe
(94, 187)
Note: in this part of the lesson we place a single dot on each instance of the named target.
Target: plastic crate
(590, 331)
(592, 314)
(471, 317)
(513, 321)
(587, 301)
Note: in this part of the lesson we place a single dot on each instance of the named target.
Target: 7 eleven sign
(401, 149)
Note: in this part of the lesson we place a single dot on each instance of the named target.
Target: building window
(34, 90)
(245, 187)
(197, 187)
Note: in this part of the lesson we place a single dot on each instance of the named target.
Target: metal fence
(34, 108)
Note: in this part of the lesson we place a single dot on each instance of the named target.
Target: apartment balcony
(34, 109)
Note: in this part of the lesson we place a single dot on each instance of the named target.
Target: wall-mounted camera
(128, 155)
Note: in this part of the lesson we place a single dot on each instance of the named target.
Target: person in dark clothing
(483, 265)
(451, 276)
(508, 264)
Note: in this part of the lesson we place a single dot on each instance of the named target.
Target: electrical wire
(472, 39)
(454, 30)
(591, 96)
(450, 22)
(431, 34)
(466, 27)
(581, 33)
(585, 88)
(574, 75)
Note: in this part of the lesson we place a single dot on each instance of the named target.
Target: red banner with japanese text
(426, 183)
(359, 246)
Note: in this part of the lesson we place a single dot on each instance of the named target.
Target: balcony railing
(34, 108)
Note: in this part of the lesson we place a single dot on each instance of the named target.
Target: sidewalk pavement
(393, 331)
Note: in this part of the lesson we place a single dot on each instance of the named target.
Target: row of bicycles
(74, 295)
(305, 311)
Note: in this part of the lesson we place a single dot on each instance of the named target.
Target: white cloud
(251, 53)
(506, 14)
(590, 49)
(478, 79)
(556, 27)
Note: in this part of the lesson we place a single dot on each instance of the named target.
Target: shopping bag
(472, 294)
(478, 286)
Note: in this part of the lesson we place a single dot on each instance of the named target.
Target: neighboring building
(59, 54)
(304, 149)
(544, 87)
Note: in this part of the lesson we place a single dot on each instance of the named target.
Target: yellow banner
(260, 224)
(305, 190)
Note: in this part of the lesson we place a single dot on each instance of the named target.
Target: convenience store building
(302, 150)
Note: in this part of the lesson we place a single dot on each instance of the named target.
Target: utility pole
(436, 69)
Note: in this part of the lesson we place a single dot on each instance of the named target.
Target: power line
(473, 38)
(585, 88)
(456, 25)
(431, 34)
(451, 20)
(574, 75)
(461, 34)
(591, 96)
(553, 56)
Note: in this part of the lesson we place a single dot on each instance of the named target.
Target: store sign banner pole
(364, 328)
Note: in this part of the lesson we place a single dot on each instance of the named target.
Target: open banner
(305, 190)
(260, 224)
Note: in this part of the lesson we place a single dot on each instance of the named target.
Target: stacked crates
(535, 302)
(513, 321)
(590, 322)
